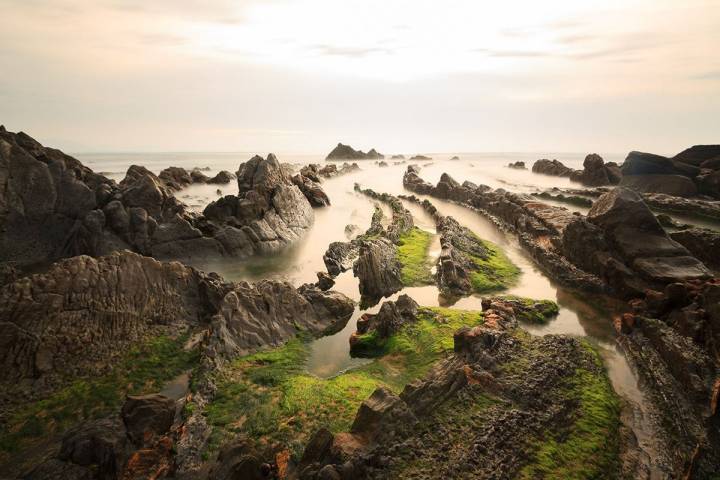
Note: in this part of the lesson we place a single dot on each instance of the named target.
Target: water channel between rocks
(580, 314)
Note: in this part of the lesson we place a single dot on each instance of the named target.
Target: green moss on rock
(413, 247)
(494, 271)
(270, 397)
(144, 369)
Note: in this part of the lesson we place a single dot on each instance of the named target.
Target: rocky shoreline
(122, 362)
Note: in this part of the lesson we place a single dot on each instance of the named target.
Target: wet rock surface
(538, 226)
(471, 416)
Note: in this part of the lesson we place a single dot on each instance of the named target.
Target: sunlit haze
(400, 76)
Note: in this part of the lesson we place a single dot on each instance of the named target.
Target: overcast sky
(400, 76)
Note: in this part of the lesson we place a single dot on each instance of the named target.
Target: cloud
(351, 52)
(162, 39)
(711, 75)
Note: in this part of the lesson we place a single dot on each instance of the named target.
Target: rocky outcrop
(377, 269)
(440, 418)
(83, 312)
(551, 167)
(538, 226)
(315, 172)
(346, 152)
(252, 316)
(391, 317)
(268, 213)
(460, 248)
(702, 243)
(703, 156)
(622, 241)
(517, 165)
(420, 157)
(596, 172)
(222, 177)
(53, 207)
(649, 173)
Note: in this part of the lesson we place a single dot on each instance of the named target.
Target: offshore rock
(346, 152)
(551, 167)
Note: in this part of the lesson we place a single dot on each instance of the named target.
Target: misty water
(580, 314)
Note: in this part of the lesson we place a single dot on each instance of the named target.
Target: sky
(400, 76)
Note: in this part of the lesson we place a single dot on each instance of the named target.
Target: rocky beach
(446, 316)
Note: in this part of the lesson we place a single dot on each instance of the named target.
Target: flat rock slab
(671, 269)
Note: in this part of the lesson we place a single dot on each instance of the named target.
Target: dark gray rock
(346, 152)
(378, 270)
(147, 416)
(551, 167)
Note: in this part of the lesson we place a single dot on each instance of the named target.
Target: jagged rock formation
(595, 171)
(79, 318)
(669, 338)
(437, 428)
(622, 241)
(538, 226)
(83, 312)
(649, 173)
(378, 269)
(460, 251)
(346, 152)
(390, 318)
(52, 207)
(270, 313)
(315, 172)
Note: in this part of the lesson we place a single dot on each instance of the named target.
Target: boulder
(698, 154)
(641, 163)
(99, 444)
(621, 207)
(391, 317)
(147, 416)
(175, 178)
(222, 177)
(325, 281)
(517, 165)
(596, 173)
(380, 415)
(675, 185)
(551, 167)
